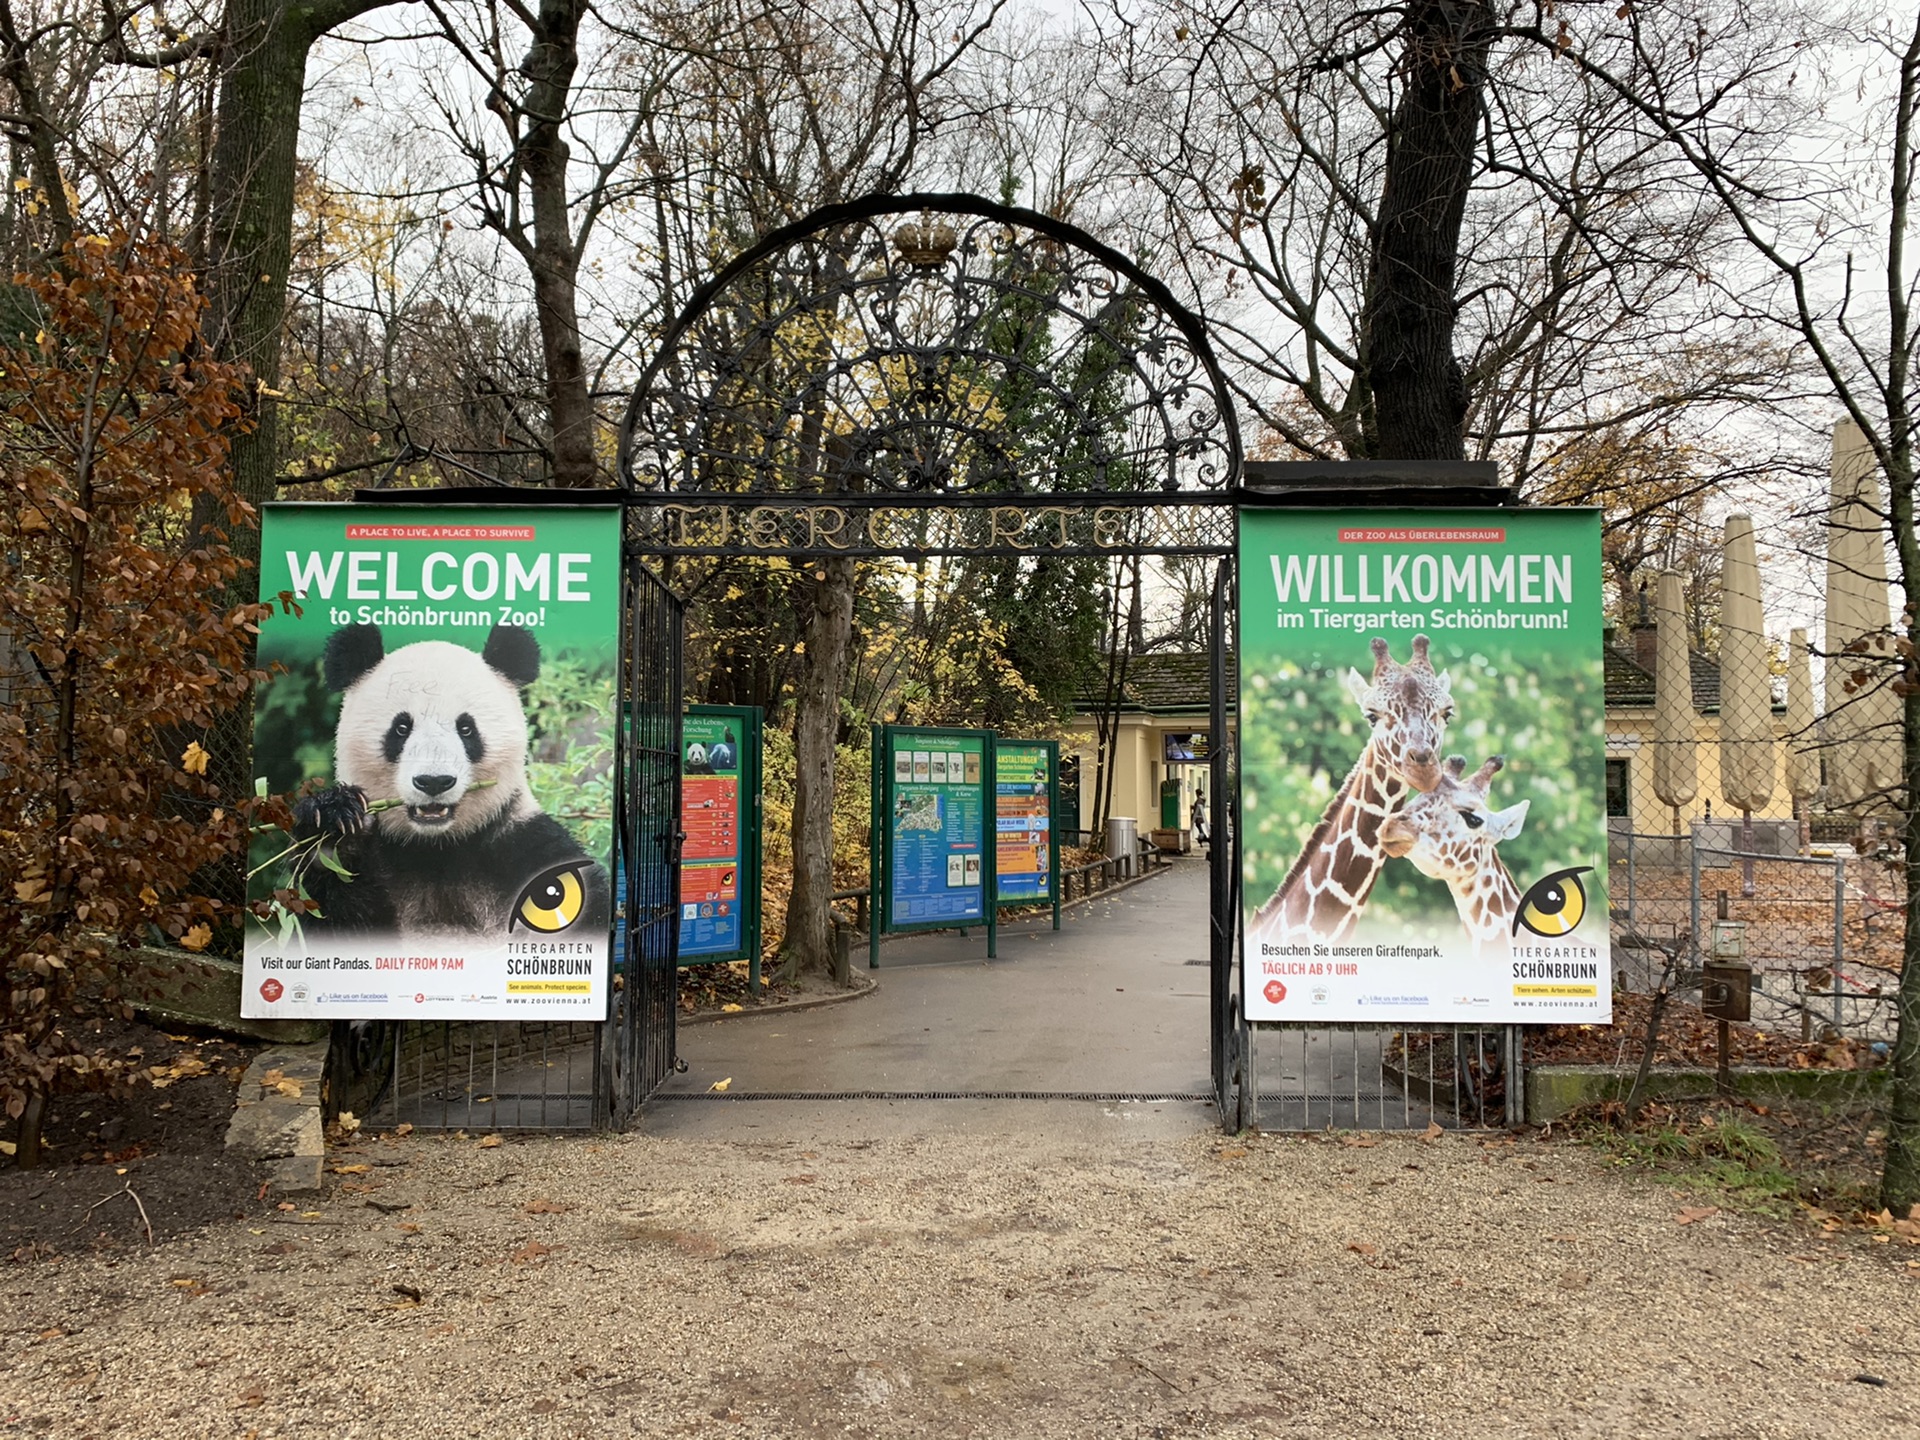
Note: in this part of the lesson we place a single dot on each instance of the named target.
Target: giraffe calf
(1449, 834)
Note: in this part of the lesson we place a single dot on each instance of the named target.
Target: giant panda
(426, 725)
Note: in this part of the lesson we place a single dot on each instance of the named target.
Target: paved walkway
(1113, 1003)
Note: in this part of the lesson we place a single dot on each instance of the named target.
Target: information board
(1423, 766)
(1027, 859)
(934, 865)
(719, 817)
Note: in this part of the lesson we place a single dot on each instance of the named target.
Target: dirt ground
(1060, 1271)
(163, 1139)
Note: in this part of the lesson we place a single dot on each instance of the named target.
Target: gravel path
(1030, 1283)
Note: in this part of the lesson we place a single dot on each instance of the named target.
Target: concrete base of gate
(1104, 1021)
(1553, 1090)
(277, 1116)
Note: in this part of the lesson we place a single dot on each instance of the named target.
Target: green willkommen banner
(441, 704)
(1423, 774)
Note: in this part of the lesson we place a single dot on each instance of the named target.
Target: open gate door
(1228, 1047)
(638, 1042)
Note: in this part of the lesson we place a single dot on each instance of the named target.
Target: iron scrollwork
(930, 374)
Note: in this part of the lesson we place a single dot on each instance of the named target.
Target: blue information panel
(937, 828)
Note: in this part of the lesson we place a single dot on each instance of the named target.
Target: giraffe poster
(1423, 766)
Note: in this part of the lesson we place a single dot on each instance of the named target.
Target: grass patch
(1725, 1155)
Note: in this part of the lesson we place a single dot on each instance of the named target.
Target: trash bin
(1123, 843)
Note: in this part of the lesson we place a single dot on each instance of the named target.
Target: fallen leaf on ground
(1433, 1131)
(1232, 1152)
(402, 1131)
(350, 1169)
(730, 1008)
(1359, 1142)
(1695, 1212)
(725, 1084)
(1360, 1247)
(491, 1142)
(531, 1253)
(545, 1207)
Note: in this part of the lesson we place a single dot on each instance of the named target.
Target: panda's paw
(340, 811)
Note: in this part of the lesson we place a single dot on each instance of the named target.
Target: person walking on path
(1199, 820)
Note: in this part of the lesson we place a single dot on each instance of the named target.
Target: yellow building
(1160, 752)
(1632, 804)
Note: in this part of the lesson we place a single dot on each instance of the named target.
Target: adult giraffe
(1407, 707)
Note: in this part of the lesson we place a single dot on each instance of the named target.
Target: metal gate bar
(1383, 1077)
(640, 1032)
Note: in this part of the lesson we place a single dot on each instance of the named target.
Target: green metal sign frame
(919, 792)
(1049, 751)
(745, 723)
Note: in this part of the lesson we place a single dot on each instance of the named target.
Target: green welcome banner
(1423, 774)
(441, 706)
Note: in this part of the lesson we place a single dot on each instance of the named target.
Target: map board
(932, 866)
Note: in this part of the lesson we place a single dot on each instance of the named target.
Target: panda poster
(1423, 766)
(439, 716)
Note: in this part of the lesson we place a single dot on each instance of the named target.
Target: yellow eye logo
(552, 902)
(1555, 905)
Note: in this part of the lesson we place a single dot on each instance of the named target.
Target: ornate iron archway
(939, 375)
(932, 374)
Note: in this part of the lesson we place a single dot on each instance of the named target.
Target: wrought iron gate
(1228, 1048)
(638, 1039)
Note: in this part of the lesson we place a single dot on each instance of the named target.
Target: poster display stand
(1450, 667)
(933, 861)
(439, 863)
(720, 749)
(1026, 776)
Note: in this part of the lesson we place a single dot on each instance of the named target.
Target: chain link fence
(1814, 905)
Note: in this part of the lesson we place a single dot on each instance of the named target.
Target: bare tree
(1823, 203)
(571, 112)
(1416, 235)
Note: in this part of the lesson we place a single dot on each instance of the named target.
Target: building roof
(1168, 683)
(1628, 685)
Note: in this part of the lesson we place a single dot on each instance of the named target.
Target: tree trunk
(35, 127)
(550, 66)
(808, 947)
(256, 144)
(1419, 393)
(26, 1153)
(1900, 1177)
